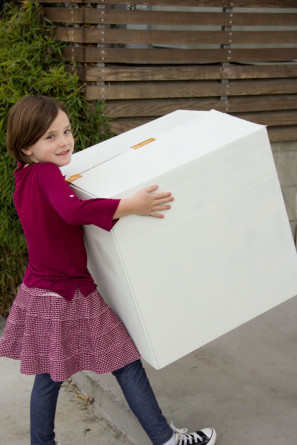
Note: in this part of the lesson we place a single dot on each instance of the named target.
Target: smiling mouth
(63, 153)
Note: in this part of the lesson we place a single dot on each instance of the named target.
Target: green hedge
(31, 62)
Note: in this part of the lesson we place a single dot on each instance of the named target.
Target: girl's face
(56, 145)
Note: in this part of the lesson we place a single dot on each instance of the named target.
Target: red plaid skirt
(49, 334)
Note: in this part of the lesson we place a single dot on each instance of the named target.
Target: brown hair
(28, 120)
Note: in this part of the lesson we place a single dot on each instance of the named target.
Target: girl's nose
(63, 141)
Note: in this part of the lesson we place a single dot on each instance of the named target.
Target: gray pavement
(243, 384)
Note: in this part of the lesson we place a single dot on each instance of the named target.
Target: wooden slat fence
(148, 58)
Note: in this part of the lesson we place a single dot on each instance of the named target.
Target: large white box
(222, 255)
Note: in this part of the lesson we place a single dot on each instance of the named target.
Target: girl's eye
(68, 131)
(51, 136)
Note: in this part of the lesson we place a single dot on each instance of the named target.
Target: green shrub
(31, 62)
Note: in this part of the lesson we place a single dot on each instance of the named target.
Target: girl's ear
(26, 151)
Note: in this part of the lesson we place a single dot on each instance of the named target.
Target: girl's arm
(100, 212)
(144, 203)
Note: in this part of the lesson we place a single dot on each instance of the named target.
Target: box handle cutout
(141, 144)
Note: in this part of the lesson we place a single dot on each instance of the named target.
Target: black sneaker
(206, 436)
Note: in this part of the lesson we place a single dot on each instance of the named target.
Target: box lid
(140, 155)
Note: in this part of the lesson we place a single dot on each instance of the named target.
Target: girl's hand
(145, 203)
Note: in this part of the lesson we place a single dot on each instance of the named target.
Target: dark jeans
(43, 409)
(134, 383)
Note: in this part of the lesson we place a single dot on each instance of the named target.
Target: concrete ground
(244, 384)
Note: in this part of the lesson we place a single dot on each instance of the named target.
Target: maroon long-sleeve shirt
(52, 215)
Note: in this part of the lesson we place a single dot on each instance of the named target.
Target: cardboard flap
(180, 145)
(104, 151)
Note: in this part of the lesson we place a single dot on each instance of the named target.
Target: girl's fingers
(164, 195)
(163, 200)
(158, 208)
(153, 203)
(151, 188)
(160, 195)
(157, 215)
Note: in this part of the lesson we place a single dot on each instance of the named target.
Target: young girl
(59, 324)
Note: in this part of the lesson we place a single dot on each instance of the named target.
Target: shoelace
(185, 438)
